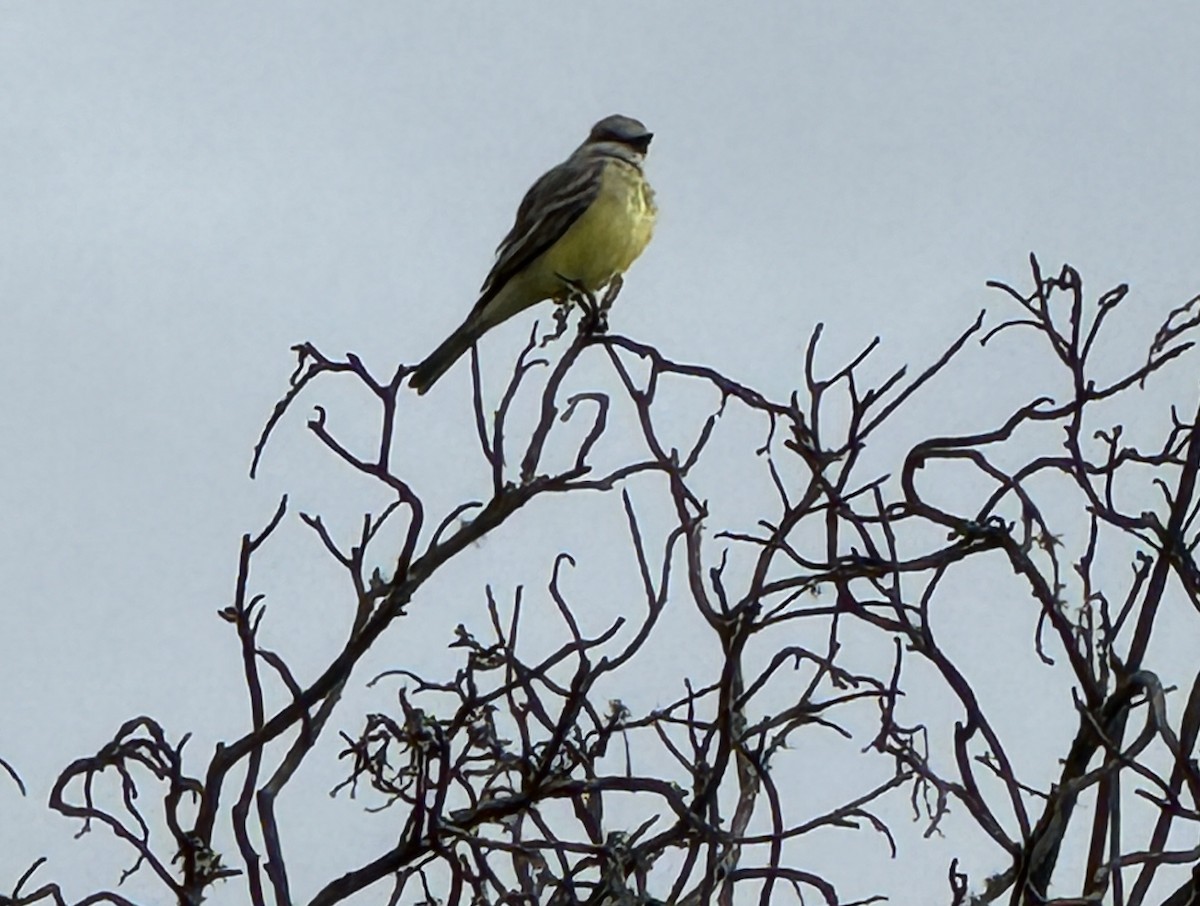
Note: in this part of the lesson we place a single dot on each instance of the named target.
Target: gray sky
(188, 189)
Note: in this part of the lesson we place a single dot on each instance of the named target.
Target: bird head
(622, 130)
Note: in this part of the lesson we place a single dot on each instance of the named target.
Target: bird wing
(549, 208)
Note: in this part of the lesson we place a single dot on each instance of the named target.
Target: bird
(577, 230)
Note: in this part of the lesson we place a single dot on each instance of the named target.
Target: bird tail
(439, 361)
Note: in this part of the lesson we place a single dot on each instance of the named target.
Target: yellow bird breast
(611, 233)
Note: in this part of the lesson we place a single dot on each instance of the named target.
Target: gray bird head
(622, 130)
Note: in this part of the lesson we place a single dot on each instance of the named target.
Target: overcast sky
(187, 189)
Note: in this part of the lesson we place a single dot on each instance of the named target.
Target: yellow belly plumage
(602, 243)
(610, 235)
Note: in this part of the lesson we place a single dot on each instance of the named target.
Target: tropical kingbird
(578, 229)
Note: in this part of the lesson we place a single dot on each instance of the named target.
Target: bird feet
(595, 315)
(595, 311)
